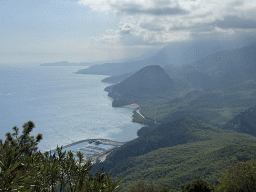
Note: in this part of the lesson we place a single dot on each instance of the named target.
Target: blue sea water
(65, 107)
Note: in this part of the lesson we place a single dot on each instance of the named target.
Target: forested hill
(169, 134)
(150, 81)
(179, 152)
(244, 122)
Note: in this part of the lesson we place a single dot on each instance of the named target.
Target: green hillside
(173, 148)
(149, 82)
(244, 122)
(200, 151)
(216, 107)
(179, 165)
(181, 131)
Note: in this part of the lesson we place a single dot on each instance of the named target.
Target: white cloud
(146, 22)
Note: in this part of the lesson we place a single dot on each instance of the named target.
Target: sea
(65, 107)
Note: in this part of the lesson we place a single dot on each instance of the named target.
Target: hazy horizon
(102, 30)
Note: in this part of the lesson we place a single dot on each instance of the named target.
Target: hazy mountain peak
(147, 82)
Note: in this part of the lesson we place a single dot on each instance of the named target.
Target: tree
(24, 143)
(198, 185)
(24, 168)
(141, 186)
(239, 177)
(16, 157)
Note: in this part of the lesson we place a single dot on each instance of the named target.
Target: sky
(40, 31)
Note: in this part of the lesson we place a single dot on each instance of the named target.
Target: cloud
(147, 22)
(125, 29)
(151, 7)
(235, 22)
(152, 26)
(140, 9)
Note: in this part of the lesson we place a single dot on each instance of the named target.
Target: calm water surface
(65, 107)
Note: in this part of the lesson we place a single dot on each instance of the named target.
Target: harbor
(95, 150)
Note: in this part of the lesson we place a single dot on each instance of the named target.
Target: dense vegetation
(149, 82)
(179, 152)
(181, 167)
(24, 168)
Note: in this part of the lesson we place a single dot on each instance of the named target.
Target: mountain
(114, 69)
(244, 122)
(117, 79)
(179, 53)
(228, 62)
(178, 71)
(145, 55)
(150, 81)
(169, 134)
(178, 152)
(218, 71)
(66, 63)
(190, 75)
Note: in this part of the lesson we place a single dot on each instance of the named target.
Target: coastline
(97, 150)
(133, 106)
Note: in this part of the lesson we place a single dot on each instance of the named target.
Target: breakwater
(94, 141)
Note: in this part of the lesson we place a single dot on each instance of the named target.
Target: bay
(65, 107)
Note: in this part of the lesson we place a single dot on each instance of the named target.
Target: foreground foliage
(239, 177)
(24, 168)
(198, 185)
(141, 186)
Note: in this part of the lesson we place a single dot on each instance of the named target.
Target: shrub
(24, 168)
(198, 185)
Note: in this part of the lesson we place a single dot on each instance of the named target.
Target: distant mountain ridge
(222, 62)
(179, 53)
(219, 70)
(66, 63)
